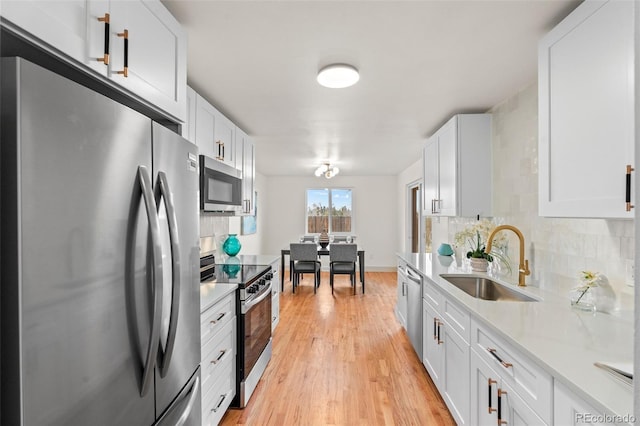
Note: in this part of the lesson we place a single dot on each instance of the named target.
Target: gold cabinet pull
(628, 188)
(504, 364)
(500, 394)
(491, 382)
(125, 70)
(106, 19)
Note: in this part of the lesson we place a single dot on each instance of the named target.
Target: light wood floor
(342, 360)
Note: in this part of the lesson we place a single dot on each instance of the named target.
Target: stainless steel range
(253, 304)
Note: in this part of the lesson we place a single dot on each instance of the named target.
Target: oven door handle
(247, 306)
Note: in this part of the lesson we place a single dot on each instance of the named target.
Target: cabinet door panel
(205, 124)
(571, 410)
(483, 410)
(225, 135)
(430, 176)
(156, 56)
(401, 300)
(189, 126)
(431, 348)
(245, 161)
(455, 370)
(447, 145)
(515, 411)
(586, 112)
(61, 24)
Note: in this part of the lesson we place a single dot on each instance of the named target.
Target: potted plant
(474, 237)
(477, 256)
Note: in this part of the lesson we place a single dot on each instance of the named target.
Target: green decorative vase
(231, 245)
(232, 266)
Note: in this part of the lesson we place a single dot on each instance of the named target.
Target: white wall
(412, 174)
(375, 213)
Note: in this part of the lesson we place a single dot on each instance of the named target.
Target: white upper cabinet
(225, 136)
(215, 134)
(149, 54)
(246, 162)
(457, 168)
(99, 36)
(586, 113)
(189, 126)
(205, 119)
(61, 25)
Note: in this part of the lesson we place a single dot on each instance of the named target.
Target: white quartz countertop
(212, 292)
(563, 341)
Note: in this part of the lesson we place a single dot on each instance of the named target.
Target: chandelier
(327, 170)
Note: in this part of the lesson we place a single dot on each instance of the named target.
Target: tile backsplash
(557, 248)
(213, 225)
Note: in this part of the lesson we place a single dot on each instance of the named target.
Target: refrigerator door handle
(192, 399)
(163, 191)
(145, 186)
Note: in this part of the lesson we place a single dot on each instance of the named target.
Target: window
(330, 210)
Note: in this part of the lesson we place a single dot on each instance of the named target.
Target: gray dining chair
(304, 260)
(343, 238)
(342, 260)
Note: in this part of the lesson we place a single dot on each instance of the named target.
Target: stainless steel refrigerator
(99, 259)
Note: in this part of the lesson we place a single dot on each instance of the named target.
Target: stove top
(243, 275)
(252, 280)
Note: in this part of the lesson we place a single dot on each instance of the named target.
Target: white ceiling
(420, 62)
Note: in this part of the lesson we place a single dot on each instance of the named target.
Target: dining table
(322, 251)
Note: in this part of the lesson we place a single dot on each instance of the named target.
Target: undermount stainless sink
(486, 289)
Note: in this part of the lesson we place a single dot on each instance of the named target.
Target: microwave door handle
(163, 191)
(143, 189)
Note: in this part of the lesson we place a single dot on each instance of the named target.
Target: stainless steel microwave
(220, 187)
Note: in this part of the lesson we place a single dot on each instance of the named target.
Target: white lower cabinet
(481, 378)
(401, 299)
(445, 355)
(569, 409)
(431, 351)
(218, 339)
(455, 374)
(517, 372)
(493, 401)
(275, 294)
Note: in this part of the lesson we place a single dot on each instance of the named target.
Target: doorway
(414, 214)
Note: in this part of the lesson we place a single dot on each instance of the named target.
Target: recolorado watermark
(604, 418)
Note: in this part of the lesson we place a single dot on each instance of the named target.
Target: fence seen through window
(329, 209)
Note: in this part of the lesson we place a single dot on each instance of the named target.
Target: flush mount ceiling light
(338, 76)
(327, 170)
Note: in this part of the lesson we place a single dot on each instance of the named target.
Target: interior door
(82, 338)
(175, 165)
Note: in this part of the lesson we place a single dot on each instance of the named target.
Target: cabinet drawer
(216, 317)
(530, 381)
(217, 399)
(215, 354)
(456, 317)
(431, 294)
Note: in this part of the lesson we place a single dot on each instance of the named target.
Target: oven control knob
(269, 276)
(252, 289)
(262, 282)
